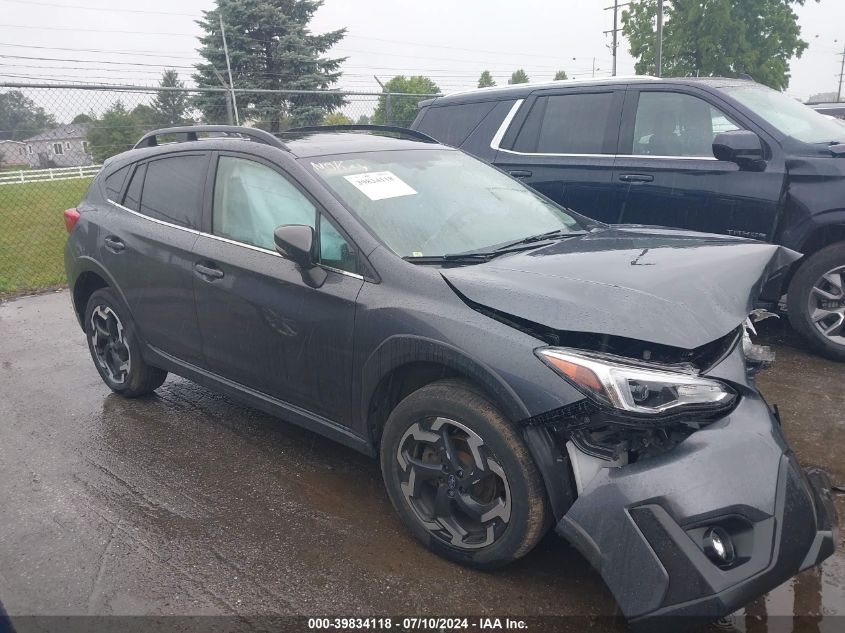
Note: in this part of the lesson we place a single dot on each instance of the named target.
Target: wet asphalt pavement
(188, 503)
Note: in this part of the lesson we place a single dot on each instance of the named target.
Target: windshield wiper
(454, 258)
(480, 256)
(542, 237)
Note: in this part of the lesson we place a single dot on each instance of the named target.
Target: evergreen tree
(518, 77)
(270, 47)
(561, 74)
(170, 106)
(486, 80)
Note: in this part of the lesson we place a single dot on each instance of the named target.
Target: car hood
(658, 285)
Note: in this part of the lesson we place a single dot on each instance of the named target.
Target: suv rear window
(566, 124)
(172, 189)
(453, 124)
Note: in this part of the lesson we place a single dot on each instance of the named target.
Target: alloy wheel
(827, 305)
(109, 344)
(453, 483)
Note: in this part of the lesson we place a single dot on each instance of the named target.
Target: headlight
(636, 388)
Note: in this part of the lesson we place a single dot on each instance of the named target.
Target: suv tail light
(71, 216)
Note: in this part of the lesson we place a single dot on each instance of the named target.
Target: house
(12, 153)
(63, 146)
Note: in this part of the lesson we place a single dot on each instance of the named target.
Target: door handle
(520, 173)
(636, 178)
(114, 244)
(209, 273)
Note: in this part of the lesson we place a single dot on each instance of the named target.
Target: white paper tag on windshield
(379, 185)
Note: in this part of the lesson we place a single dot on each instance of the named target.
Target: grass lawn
(32, 232)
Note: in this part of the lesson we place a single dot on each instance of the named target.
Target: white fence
(46, 175)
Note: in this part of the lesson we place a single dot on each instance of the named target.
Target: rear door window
(453, 124)
(566, 124)
(173, 188)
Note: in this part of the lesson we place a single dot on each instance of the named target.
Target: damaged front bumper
(642, 526)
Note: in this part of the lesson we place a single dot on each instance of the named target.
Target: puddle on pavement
(811, 602)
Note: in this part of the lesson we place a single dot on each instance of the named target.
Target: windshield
(788, 115)
(430, 203)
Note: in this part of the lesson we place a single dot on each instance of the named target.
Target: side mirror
(296, 243)
(741, 147)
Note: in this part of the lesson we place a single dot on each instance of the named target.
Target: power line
(88, 61)
(352, 36)
(145, 53)
(76, 29)
(108, 9)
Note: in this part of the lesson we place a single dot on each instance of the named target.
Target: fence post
(388, 110)
(80, 171)
(22, 180)
(51, 173)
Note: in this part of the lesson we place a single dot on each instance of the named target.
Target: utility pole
(229, 70)
(658, 58)
(229, 116)
(615, 30)
(841, 75)
(388, 104)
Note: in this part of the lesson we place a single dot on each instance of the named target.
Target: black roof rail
(189, 132)
(393, 129)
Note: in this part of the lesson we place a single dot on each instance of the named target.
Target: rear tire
(816, 301)
(461, 478)
(115, 347)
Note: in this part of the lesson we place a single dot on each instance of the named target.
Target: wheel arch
(91, 276)
(824, 235)
(403, 364)
(826, 229)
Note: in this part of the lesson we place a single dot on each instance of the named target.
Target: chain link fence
(53, 138)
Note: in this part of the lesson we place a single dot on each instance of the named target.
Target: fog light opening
(719, 547)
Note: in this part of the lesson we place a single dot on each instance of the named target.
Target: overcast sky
(452, 42)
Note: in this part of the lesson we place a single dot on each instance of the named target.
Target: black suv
(717, 155)
(514, 365)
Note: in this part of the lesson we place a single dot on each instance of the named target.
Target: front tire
(461, 478)
(115, 348)
(816, 301)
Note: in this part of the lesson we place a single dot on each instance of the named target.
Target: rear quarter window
(453, 124)
(113, 183)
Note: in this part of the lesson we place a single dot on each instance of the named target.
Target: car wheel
(115, 348)
(461, 478)
(816, 301)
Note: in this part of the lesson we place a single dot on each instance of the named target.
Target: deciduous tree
(336, 118)
(116, 131)
(561, 74)
(20, 118)
(403, 109)
(717, 38)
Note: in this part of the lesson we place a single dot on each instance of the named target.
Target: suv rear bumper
(641, 526)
